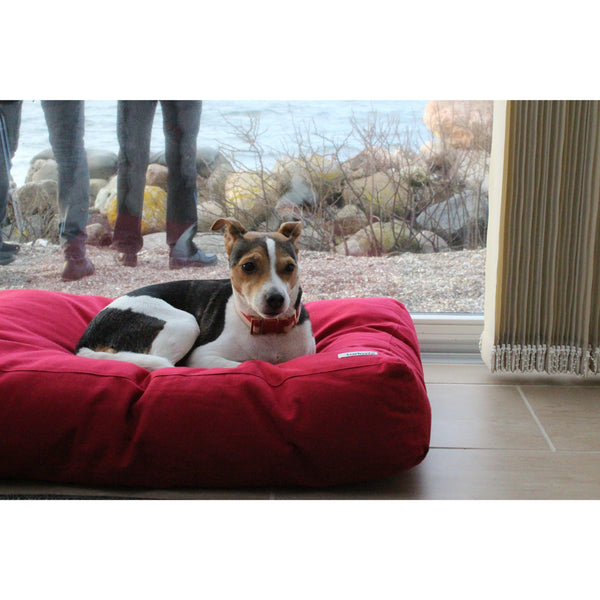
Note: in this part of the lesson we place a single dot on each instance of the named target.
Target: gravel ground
(442, 282)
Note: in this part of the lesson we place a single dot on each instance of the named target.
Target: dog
(257, 314)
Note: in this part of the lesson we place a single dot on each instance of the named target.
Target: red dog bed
(356, 410)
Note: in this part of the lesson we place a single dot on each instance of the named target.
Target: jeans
(181, 123)
(11, 123)
(66, 123)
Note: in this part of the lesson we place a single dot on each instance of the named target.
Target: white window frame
(449, 336)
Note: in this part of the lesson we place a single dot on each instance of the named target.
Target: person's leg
(10, 122)
(134, 131)
(181, 123)
(66, 126)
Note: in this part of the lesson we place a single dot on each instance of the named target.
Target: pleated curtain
(542, 311)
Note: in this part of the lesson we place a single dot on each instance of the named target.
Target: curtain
(542, 311)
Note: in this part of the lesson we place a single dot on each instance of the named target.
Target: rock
(158, 158)
(315, 237)
(462, 124)
(216, 183)
(381, 194)
(105, 195)
(348, 220)
(156, 175)
(367, 162)
(102, 164)
(379, 238)
(210, 159)
(300, 194)
(208, 213)
(154, 213)
(207, 160)
(322, 174)
(474, 170)
(247, 196)
(43, 155)
(287, 210)
(95, 186)
(429, 242)
(39, 209)
(42, 169)
(98, 235)
(461, 220)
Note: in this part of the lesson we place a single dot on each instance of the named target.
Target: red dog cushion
(356, 410)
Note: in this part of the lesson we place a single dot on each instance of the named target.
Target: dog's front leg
(205, 359)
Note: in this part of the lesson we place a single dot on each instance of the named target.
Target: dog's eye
(249, 267)
(289, 268)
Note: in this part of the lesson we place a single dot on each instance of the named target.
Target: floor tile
(452, 474)
(569, 415)
(482, 416)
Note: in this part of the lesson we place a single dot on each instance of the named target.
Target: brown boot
(77, 265)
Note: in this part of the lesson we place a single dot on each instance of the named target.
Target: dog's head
(264, 267)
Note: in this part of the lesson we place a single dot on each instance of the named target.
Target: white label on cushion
(358, 353)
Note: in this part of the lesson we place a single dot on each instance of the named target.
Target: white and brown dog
(255, 315)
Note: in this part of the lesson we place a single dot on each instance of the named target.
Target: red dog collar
(260, 326)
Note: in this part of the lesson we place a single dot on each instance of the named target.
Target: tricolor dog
(255, 315)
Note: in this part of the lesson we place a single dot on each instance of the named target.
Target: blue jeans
(181, 123)
(11, 113)
(66, 123)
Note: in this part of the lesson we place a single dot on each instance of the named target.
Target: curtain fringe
(568, 360)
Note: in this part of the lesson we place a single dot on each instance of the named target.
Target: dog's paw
(205, 360)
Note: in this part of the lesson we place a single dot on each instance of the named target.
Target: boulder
(367, 162)
(210, 159)
(215, 184)
(461, 220)
(207, 160)
(95, 186)
(98, 235)
(39, 210)
(461, 123)
(247, 196)
(105, 195)
(208, 213)
(348, 220)
(299, 194)
(154, 213)
(382, 194)
(322, 174)
(378, 239)
(42, 169)
(156, 175)
(429, 242)
(441, 158)
(102, 164)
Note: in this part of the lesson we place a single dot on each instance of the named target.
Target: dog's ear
(234, 231)
(291, 230)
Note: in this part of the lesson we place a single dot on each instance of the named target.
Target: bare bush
(389, 182)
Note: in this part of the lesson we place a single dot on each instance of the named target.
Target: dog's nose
(275, 300)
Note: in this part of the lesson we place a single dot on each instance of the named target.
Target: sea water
(232, 126)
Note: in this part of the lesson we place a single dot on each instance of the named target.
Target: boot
(7, 252)
(186, 254)
(77, 265)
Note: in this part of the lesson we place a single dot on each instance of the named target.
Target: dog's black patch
(205, 299)
(121, 330)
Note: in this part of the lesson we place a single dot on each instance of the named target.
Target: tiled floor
(493, 437)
